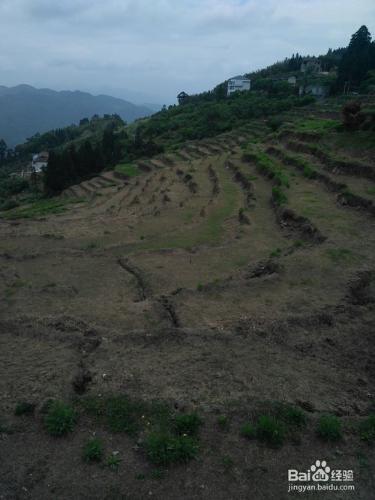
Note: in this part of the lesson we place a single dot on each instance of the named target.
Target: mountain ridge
(26, 110)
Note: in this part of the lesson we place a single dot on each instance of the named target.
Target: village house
(238, 84)
(39, 162)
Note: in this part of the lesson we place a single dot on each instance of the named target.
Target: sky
(149, 50)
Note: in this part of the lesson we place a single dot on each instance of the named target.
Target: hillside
(25, 110)
(195, 323)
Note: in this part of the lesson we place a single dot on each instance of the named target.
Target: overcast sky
(156, 48)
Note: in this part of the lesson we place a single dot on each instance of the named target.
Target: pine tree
(356, 61)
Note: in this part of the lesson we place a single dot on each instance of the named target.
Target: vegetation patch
(367, 429)
(166, 449)
(60, 418)
(93, 450)
(128, 169)
(329, 428)
(40, 208)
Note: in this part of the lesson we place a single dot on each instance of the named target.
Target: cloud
(162, 46)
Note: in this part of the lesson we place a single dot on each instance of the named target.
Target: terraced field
(228, 274)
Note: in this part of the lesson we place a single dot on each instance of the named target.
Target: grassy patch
(329, 428)
(338, 255)
(165, 449)
(39, 208)
(128, 169)
(60, 419)
(188, 423)
(223, 421)
(93, 450)
(318, 125)
(278, 196)
(248, 431)
(367, 429)
(270, 430)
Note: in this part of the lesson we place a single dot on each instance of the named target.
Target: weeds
(93, 450)
(278, 196)
(60, 419)
(187, 424)
(113, 462)
(165, 449)
(329, 428)
(270, 430)
(248, 431)
(223, 422)
(367, 429)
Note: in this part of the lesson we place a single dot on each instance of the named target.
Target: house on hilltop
(238, 84)
(40, 161)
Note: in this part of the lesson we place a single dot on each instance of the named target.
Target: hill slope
(233, 277)
(25, 110)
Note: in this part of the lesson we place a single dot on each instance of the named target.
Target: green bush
(367, 429)
(270, 430)
(187, 424)
(60, 418)
(329, 428)
(223, 422)
(278, 196)
(248, 431)
(93, 450)
(164, 449)
(292, 416)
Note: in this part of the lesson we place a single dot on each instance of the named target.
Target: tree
(3, 150)
(357, 60)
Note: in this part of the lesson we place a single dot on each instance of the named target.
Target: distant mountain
(25, 110)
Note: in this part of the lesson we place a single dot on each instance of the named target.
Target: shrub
(329, 428)
(164, 449)
(248, 431)
(278, 196)
(60, 418)
(274, 123)
(367, 429)
(308, 172)
(223, 422)
(270, 430)
(292, 416)
(24, 408)
(113, 462)
(187, 424)
(93, 450)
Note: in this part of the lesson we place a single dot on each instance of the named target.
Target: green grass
(60, 419)
(39, 208)
(128, 169)
(93, 450)
(278, 196)
(338, 255)
(165, 449)
(188, 424)
(318, 125)
(268, 166)
(113, 462)
(270, 430)
(248, 431)
(223, 421)
(329, 428)
(367, 429)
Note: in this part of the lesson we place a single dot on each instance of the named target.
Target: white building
(40, 161)
(238, 84)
